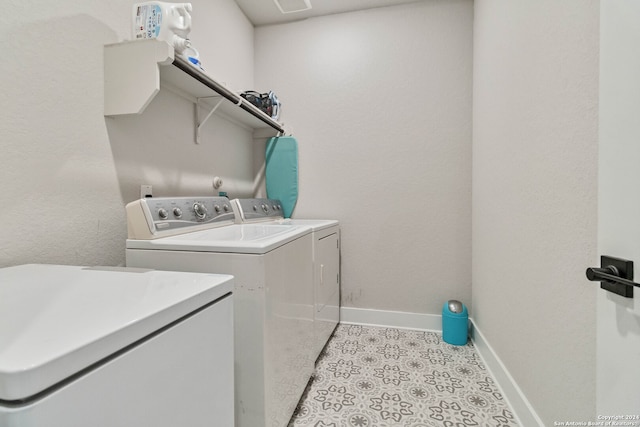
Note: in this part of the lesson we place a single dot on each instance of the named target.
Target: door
(618, 324)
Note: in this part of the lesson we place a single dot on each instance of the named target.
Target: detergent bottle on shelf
(169, 22)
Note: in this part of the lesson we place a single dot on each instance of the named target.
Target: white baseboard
(523, 411)
(512, 393)
(393, 319)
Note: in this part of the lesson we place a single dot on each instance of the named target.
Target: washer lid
(58, 320)
(238, 238)
(315, 224)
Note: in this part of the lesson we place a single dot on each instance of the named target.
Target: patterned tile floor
(383, 377)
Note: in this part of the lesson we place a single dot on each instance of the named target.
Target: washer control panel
(255, 210)
(155, 217)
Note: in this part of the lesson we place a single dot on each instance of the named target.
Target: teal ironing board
(281, 172)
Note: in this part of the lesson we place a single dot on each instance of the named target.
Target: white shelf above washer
(136, 70)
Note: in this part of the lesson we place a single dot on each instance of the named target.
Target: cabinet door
(328, 262)
(327, 292)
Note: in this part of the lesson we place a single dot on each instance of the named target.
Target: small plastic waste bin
(455, 322)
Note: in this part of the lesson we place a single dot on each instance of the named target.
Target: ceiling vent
(291, 6)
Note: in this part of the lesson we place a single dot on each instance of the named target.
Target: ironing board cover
(281, 172)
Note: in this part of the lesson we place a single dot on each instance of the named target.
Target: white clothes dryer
(273, 294)
(326, 259)
(114, 347)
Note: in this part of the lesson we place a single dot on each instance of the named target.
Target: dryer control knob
(226, 208)
(163, 214)
(217, 208)
(200, 210)
(177, 212)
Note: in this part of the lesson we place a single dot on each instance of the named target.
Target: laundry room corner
(384, 147)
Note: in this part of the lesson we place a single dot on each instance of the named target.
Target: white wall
(380, 102)
(535, 94)
(67, 171)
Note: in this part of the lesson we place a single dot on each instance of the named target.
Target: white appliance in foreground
(273, 294)
(326, 259)
(114, 347)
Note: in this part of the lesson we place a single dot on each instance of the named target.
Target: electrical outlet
(145, 191)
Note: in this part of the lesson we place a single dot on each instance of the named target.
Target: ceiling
(265, 12)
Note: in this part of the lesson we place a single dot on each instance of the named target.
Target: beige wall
(66, 170)
(535, 103)
(380, 102)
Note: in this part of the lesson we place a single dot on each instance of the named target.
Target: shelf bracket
(200, 123)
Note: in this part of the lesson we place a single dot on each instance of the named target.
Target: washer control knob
(217, 208)
(177, 212)
(226, 207)
(255, 208)
(265, 208)
(200, 210)
(163, 214)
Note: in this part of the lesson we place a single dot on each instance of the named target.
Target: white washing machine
(326, 259)
(273, 294)
(114, 347)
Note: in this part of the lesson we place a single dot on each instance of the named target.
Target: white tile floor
(383, 377)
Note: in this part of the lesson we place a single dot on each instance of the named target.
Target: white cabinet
(135, 71)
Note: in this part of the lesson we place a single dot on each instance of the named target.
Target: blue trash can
(455, 322)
